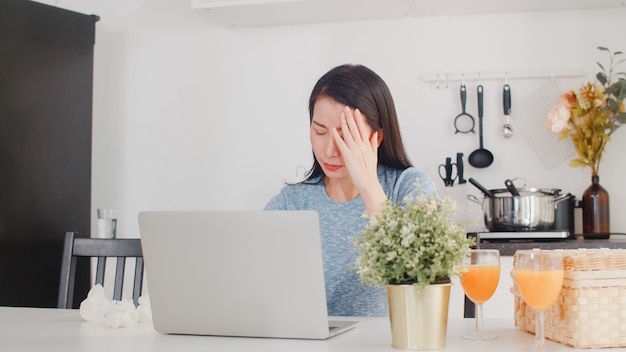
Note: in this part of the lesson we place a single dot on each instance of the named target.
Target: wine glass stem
(479, 319)
(539, 332)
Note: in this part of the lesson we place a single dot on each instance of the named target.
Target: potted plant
(414, 249)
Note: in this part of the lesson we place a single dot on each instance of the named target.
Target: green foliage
(414, 243)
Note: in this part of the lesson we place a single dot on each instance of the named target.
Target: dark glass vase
(595, 206)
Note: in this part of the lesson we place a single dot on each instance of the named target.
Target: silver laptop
(236, 273)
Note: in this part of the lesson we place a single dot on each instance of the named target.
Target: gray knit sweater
(339, 221)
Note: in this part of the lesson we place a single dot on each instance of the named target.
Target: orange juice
(540, 288)
(479, 281)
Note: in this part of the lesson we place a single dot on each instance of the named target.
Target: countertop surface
(508, 247)
(44, 329)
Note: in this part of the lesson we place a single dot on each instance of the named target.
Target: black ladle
(482, 188)
(481, 157)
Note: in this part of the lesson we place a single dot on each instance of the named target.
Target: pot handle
(474, 199)
(561, 198)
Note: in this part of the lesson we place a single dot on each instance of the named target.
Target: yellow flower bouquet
(591, 113)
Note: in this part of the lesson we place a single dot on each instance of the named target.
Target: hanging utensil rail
(472, 76)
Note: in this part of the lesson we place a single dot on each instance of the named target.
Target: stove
(524, 235)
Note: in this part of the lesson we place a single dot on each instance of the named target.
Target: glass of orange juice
(539, 278)
(480, 273)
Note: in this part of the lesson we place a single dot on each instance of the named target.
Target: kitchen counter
(52, 330)
(508, 248)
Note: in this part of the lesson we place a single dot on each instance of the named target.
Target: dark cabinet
(46, 80)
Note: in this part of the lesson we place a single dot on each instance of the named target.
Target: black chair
(102, 249)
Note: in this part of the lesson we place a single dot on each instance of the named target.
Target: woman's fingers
(339, 139)
(360, 124)
(358, 147)
(353, 137)
(374, 142)
(353, 127)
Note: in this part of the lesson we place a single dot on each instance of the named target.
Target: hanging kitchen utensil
(481, 157)
(507, 128)
(448, 179)
(511, 187)
(459, 168)
(464, 122)
(482, 188)
(530, 116)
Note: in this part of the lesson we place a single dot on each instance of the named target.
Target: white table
(40, 329)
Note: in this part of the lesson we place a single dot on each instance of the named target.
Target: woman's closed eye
(322, 131)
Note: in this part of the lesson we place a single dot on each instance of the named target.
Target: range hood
(250, 13)
(253, 13)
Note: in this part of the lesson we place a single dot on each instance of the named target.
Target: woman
(359, 163)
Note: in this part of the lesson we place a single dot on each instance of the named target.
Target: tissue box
(591, 309)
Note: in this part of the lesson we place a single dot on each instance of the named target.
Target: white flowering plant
(412, 243)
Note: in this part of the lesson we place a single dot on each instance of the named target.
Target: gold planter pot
(419, 321)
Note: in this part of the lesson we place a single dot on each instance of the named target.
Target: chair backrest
(102, 249)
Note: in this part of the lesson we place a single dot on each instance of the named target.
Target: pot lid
(503, 192)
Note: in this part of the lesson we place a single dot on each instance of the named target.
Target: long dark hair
(359, 87)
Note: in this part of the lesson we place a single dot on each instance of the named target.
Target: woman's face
(326, 115)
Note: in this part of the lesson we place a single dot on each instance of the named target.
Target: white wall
(190, 115)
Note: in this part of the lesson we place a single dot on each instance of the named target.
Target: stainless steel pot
(533, 209)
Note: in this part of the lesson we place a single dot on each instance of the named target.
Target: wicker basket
(591, 309)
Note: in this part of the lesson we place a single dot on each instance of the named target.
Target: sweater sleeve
(410, 182)
(277, 202)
